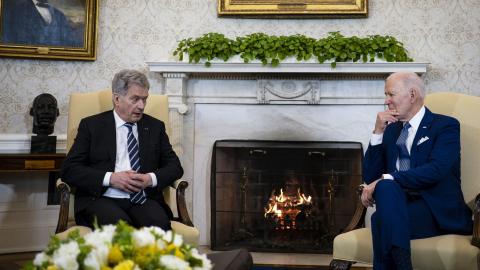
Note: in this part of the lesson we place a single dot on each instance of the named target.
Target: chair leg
(340, 265)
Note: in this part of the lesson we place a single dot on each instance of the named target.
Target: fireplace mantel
(177, 74)
(289, 68)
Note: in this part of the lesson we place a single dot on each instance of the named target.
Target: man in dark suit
(412, 174)
(37, 22)
(121, 160)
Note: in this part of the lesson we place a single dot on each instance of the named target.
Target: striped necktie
(403, 155)
(133, 154)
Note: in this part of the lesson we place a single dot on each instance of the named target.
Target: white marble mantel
(304, 68)
(294, 101)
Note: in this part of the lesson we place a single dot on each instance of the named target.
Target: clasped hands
(130, 181)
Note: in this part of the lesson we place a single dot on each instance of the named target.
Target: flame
(284, 205)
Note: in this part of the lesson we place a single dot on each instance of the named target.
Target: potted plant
(271, 49)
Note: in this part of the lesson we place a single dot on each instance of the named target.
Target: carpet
(258, 267)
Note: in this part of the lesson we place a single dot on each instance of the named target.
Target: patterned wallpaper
(444, 33)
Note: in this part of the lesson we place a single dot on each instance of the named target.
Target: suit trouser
(110, 211)
(399, 217)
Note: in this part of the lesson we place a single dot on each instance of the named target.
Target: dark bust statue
(44, 111)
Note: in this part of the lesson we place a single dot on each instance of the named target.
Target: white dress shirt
(44, 12)
(122, 160)
(377, 139)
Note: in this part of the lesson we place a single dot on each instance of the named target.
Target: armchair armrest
(180, 186)
(64, 191)
(359, 215)
(476, 222)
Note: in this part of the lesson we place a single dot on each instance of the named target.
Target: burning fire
(285, 208)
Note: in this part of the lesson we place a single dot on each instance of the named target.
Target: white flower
(206, 263)
(40, 258)
(174, 263)
(161, 244)
(177, 239)
(103, 236)
(91, 262)
(142, 238)
(65, 257)
(156, 230)
(100, 241)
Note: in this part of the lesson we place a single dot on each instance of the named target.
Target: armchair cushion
(441, 252)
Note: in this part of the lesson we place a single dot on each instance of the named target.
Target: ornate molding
(271, 91)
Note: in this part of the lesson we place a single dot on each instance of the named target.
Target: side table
(26, 162)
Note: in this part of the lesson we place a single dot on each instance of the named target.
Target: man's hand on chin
(367, 193)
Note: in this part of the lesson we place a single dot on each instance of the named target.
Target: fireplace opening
(282, 196)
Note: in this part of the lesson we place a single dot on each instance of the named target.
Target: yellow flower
(179, 254)
(115, 255)
(104, 267)
(125, 265)
(145, 255)
(171, 247)
(52, 267)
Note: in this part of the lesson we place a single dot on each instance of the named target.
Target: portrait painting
(61, 29)
(293, 8)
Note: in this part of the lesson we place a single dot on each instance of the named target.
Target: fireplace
(290, 102)
(282, 196)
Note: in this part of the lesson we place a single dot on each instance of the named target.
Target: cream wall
(443, 32)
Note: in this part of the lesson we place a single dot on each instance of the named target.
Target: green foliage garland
(273, 49)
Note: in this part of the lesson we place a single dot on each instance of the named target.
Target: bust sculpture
(45, 112)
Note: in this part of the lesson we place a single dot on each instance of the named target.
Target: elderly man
(412, 174)
(121, 160)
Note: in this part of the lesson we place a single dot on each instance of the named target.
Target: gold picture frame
(293, 8)
(57, 29)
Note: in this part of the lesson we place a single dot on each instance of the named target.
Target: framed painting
(49, 29)
(293, 8)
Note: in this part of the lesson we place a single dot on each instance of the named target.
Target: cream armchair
(446, 251)
(85, 104)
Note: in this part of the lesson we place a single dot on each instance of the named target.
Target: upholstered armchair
(445, 251)
(86, 104)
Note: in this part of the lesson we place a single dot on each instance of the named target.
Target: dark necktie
(403, 155)
(133, 154)
(42, 3)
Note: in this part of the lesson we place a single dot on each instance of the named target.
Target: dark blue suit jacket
(434, 172)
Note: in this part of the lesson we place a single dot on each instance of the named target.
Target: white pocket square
(422, 140)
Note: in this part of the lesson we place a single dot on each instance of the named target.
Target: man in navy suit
(412, 174)
(37, 22)
(121, 160)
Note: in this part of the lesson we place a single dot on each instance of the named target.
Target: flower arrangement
(120, 247)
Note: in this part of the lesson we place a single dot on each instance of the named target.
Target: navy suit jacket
(94, 153)
(434, 168)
